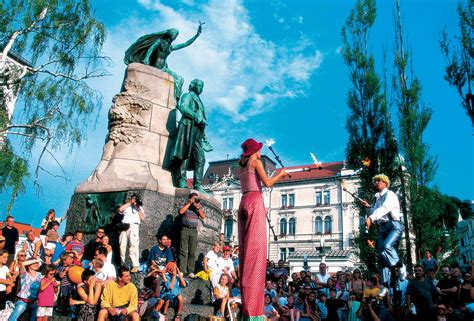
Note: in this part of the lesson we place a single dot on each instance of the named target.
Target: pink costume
(253, 245)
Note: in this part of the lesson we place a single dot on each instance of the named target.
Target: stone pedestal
(142, 120)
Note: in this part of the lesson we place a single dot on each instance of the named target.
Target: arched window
(318, 225)
(283, 226)
(328, 224)
(292, 226)
(228, 226)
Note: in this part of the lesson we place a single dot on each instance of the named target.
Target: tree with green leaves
(369, 123)
(414, 116)
(459, 55)
(48, 51)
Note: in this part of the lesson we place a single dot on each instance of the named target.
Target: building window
(290, 251)
(327, 197)
(284, 200)
(292, 226)
(319, 198)
(228, 203)
(228, 226)
(328, 225)
(318, 226)
(283, 226)
(283, 254)
(291, 200)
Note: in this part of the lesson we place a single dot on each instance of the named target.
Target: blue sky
(272, 69)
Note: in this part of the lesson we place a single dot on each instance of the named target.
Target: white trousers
(129, 239)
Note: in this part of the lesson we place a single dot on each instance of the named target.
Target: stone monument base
(93, 210)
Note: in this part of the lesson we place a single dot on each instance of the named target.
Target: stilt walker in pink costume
(253, 230)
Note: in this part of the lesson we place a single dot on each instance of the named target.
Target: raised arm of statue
(190, 41)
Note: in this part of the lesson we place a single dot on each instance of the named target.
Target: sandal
(177, 317)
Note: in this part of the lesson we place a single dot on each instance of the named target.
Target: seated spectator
(236, 289)
(171, 291)
(32, 246)
(221, 295)
(343, 292)
(106, 243)
(48, 221)
(119, 298)
(48, 289)
(16, 267)
(270, 312)
(269, 289)
(61, 248)
(149, 296)
(96, 267)
(50, 241)
(210, 262)
(322, 309)
(108, 269)
(281, 287)
(280, 272)
(224, 266)
(333, 304)
(29, 288)
(67, 286)
(88, 292)
(312, 305)
(353, 305)
(5, 279)
(93, 244)
(371, 291)
(289, 312)
(160, 254)
(301, 305)
(77, 247)
(356, 284)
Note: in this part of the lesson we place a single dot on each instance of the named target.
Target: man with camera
(191, 212)
(133, 215)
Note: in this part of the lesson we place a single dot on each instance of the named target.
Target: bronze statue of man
(191, 141)
(153, 50)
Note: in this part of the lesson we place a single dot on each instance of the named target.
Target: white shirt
(131, 216)
(224, 265)
(386, 203)
(109, 270)
(323, 278)
(212, 258)
(3, 275)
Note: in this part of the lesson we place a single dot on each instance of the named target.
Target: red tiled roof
(325, 170)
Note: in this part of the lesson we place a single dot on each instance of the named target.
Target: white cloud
(244, 74)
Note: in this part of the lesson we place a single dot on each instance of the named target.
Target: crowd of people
(81, 280)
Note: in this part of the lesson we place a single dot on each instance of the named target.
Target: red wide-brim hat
(250, 146)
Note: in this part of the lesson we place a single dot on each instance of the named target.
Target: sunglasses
(21, 255)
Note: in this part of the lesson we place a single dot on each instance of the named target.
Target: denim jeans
(388, 238)
(20, 308)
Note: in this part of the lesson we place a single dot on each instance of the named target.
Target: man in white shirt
(322, 276)
(108, 269)
(133, 214)
(386, 213)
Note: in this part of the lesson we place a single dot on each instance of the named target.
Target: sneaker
(134, 270)
(191, 276)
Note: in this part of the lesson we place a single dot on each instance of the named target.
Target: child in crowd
(322, 309)
(50, 241)
(354, 305)
(289, 312)
(171, 290)
(97, 265)
(48, 288)
(67, 286)
(88, 293)
(221, 294)
(149, 296)
(270, 312)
